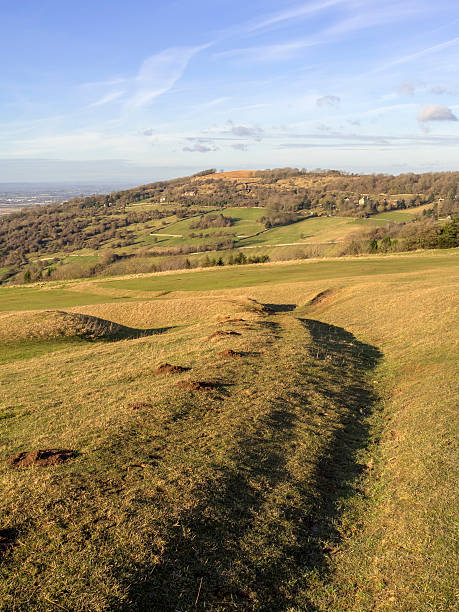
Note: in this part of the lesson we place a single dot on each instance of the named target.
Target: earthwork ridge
(234, 459)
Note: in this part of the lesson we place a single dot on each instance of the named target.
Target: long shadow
(206, 564)
(280, 307)
(130, 333)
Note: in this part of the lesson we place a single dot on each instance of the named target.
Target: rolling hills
(236, 217)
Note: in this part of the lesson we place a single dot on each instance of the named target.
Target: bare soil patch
(322, 297)
(230, 353)
(41, 458)
(223, 333)
(196, 385)
(140, 405)
(167, 368)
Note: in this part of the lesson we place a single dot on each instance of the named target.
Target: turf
(318, 471)
(33, 297)
(247, 276)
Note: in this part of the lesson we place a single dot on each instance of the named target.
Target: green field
(246, 276)
(75, 293)
(312, 469)
(246, 227)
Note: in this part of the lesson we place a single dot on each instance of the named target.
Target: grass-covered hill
(260, 437)
(232, 217)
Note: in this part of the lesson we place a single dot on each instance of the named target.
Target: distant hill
(126, 222)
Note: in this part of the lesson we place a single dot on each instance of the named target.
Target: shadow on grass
(129, 333)
(280, 307)
(262, 528)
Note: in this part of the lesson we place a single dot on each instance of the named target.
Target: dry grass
(51, 324)
(318, 472)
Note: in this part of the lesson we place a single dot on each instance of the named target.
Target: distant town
(17, 196)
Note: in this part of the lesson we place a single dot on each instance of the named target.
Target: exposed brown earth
(223, 333)
(322, 297)
(41, 458)
(167, 368)
(230, 353)
(140, 405)
(196, 385)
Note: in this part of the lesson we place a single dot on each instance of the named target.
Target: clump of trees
(419, 234)
(211, 221)
(276, 219)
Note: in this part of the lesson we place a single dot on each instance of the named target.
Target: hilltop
(229, 218)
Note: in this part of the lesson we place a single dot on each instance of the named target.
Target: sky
(109, 90)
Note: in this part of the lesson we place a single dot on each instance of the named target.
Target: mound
(160, 313)
(52, 324)
(222, 334)
(41, 458)
(196, 385)
(230, 353)
(167, 368)
(322, 296)
(140, 405)
(251, 305)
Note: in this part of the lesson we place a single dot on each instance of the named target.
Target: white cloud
(239, 146)
(362, 14)
(441, 90)
(200, 148)
(295, 13)
(159, 73)
(269, 53)
(328, 101)
(418, 54)
(435, 112)
(110, 97)
(407, 88)
(246, 132)
(156, 76)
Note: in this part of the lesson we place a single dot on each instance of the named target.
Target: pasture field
(304, 458)
(247, 227)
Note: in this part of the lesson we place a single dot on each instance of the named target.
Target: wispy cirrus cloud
(411, 57)
(109, 97)
(302, 10)
(271, 52)
(357, 15)
(157, 75)
(160, 72)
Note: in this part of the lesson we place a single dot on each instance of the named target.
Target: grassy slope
(246, 276)
(322, 230)
(246, 223)
(319, 475)
(76, 293)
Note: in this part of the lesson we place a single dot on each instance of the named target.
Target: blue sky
(146, 90)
